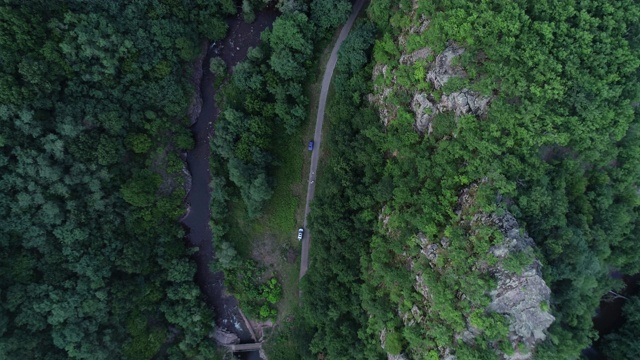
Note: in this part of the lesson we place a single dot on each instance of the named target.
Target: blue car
(310, 145)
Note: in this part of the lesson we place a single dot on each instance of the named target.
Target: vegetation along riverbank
(476, 194)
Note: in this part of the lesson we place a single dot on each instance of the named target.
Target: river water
(609, 315)
(232, 50)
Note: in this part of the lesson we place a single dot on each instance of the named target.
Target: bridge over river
(245, 347)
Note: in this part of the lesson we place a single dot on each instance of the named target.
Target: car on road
(310, 145)
(300, 233)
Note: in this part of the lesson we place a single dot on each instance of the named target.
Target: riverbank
(609, 316)
(232, 50)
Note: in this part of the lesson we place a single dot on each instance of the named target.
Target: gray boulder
(225, 338)
(415, 56)
(464, 102)
(424, 110)
(443, 68)
(519, 296)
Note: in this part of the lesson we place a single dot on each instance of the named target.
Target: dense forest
(623, 343)
(265, 99)
(446, 117)
(262, 102)
(94, 100)
(557, 148)
(343, 218)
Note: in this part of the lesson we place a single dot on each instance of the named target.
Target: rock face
(522, 297)
(263, 354)
(396, 357)
(424, 105)
(383, 340)
(415, 56)
(464, 102)
(443, 68)
(381, 94)
(425, 111)
(187, 178)
(196, 102)
(519, 296)
(225, 337)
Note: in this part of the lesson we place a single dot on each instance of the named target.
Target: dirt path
(232, 50)
(317, 137)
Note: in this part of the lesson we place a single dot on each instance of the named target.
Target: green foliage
(271, 291)
(291, 46)
(256, 298)
(516, 262)
(145, 342)
(342, 215)
(263, 102)
(329, 14)
(217, 67)
(140, 191)
(139, 143)
(379, 13)
(248, 12)
(559, 144)
(226, 256)
(393, 343)
(290, 340)
(92, 98)
(444, 124)
(455, 84)
(184, 140)
(623, 343)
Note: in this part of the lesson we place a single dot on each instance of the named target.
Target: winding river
(232, 50)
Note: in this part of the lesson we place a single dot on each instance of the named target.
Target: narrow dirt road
(317, 137)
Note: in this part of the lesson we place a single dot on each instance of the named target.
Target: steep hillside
(94, 100)
(504, 189)
(498, 98)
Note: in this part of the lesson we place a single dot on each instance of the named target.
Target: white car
(300, 233)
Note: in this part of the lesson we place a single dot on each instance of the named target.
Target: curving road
(317, 136)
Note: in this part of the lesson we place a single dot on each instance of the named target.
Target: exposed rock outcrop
(187, 178)
(417, 28)
(464, 102)
(419, 54)
(396, 357)
(381, 95)
(262, 354)
(225, 338)
(521, 296)
(461, 103)
(443, 68)
(424, 105)
(196, 101)
(425, 111)
(383, 340)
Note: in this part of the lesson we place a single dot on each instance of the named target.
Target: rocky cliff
(521, 294)
(426, 105)
(432, 87)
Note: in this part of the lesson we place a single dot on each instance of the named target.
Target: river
(232, 49)
(609, 316)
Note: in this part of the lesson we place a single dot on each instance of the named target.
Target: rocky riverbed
(203, 113)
